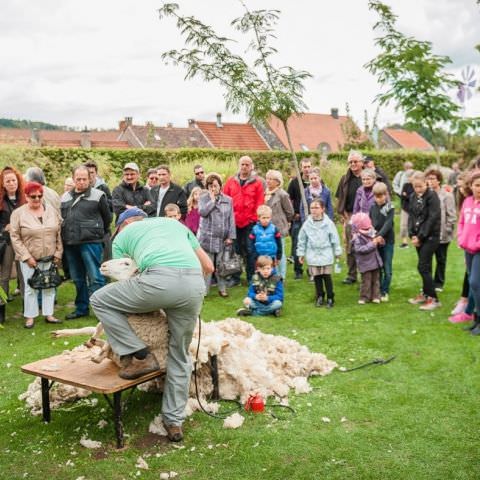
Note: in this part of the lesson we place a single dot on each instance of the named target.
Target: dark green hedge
(392, 160)
(58, 161)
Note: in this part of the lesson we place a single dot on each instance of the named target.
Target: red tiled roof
(169, 137)
(233, 136)
(311, 129)
(15, 136)
(408, 140)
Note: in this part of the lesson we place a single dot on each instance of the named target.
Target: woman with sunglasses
(11, 197)
(35, 234)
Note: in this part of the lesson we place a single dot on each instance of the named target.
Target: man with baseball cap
(170, 261)
(131, 193)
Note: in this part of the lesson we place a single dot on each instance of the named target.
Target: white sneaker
(361, 302)
(376, 300)
(430, 304)
(384, 298)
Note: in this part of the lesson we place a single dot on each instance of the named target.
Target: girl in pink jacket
(469, 239)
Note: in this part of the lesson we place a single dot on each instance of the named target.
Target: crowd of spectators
(251, 217)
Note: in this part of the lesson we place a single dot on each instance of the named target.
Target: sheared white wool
(87, 443)
(249, 361)
(156, 426)
(233, 421)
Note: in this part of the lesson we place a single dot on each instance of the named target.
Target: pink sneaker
(460, 307)
(461, 317)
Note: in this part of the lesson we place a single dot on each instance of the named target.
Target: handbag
(43, 279)
(228, 262)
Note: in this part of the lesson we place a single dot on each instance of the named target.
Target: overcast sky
(93, 62)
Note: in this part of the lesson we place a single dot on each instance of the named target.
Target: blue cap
(130, 212)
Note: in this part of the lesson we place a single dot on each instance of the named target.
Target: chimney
(191, 123)
(334, 113)
(126, 122)
(35, 137)
(219, 120)
(85, 140)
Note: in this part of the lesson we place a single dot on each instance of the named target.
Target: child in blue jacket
(265, 293)
(265, 238)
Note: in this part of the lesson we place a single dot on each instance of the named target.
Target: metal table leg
(117, 412)
(45, 400)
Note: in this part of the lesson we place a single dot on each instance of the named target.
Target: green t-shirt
(161, 242)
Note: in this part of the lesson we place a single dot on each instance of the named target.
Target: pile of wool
(249, 362)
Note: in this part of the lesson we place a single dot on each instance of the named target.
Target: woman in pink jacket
(469, 239)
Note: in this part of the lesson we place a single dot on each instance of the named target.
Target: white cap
(131, 166)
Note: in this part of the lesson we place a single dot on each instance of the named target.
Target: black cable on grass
(239, 405)
(375, 361)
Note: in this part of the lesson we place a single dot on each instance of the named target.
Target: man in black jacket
(86, 220)
(167, 192)
(346, 191)
(131, 193)
(198, 181)
(296, 198)
(98, 182)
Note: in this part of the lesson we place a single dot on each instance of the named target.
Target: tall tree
(258, 88)
(415, 77)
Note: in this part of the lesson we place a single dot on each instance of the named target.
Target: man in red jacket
(246, 191)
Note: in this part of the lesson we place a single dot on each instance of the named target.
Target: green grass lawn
(415, 418)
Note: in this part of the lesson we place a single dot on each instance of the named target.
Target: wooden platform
(99, 378)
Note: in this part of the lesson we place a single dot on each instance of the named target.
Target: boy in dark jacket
(367, 258)
(424, 218)
(265, 294)
(381, 214)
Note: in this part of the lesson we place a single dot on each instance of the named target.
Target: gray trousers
(180, 293)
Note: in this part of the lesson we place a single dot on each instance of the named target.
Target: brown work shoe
(136, 368)
(174, 432)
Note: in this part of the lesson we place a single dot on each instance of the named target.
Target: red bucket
(255, 403)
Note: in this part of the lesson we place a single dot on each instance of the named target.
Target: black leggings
(320, 281)
(425, 253)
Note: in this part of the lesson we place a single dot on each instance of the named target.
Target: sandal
(29, 323)
(52, 320)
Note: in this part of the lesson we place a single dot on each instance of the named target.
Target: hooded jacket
(246, 198)
(318, 242)
(468, 232)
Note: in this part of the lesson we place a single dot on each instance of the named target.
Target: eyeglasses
(35, 197)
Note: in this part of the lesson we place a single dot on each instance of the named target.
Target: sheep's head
(119, 269)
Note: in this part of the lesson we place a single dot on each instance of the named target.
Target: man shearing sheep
(170, 261)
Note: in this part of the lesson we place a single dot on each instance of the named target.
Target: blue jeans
(386, 252)
(259, 309)
(84, 262)
(473, 268)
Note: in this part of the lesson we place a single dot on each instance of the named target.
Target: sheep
(249, 361)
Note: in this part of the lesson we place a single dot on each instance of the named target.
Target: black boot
(2, 313)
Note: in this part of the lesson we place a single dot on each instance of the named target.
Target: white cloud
(92, 62)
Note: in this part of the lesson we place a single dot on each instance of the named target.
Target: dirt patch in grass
(100, 454)
(151, 440)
